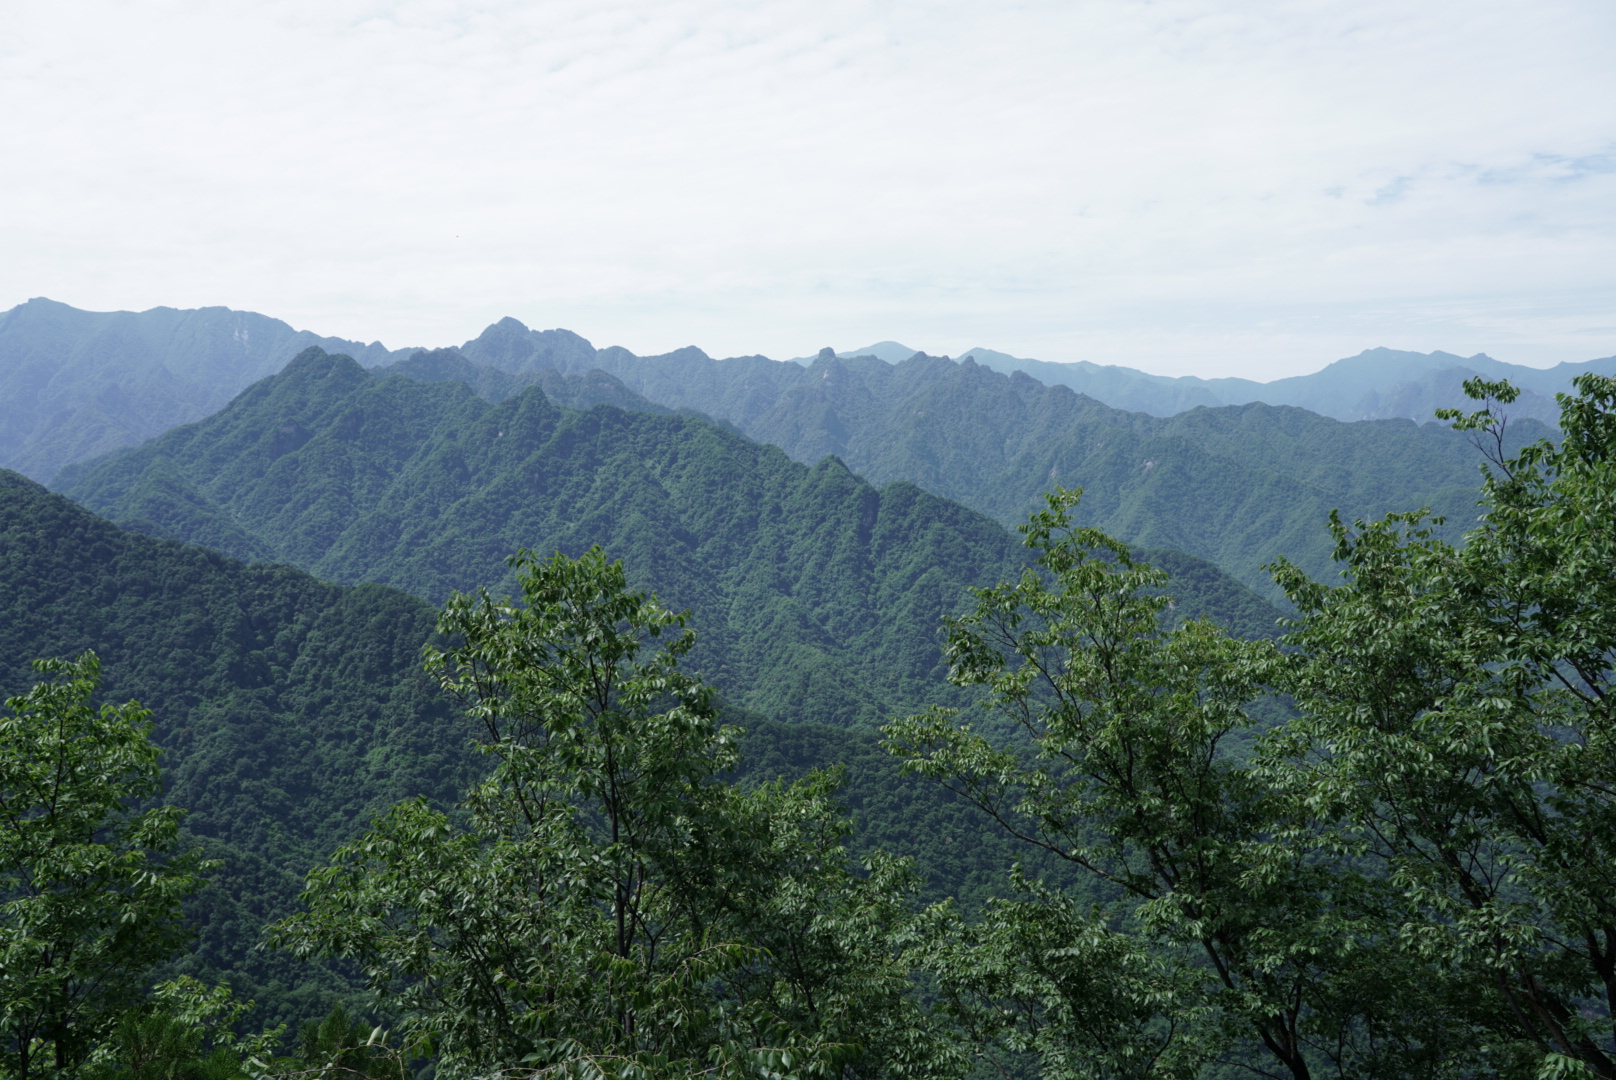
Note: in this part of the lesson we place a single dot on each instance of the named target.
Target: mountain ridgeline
(1377, 384)
(818, 597)
(75, 384)
(1239, 486)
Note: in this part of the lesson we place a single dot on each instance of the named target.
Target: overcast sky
(1213, 187)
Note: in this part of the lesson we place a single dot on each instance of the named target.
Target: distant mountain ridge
(1377, 384)
(75, 384)
(1238, 485)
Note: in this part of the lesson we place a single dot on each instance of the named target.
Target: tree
(90, 887)
(1457, 729)
(610, 904)
(183, 1031)
(1225, 927)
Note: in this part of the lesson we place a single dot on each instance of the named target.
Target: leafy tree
(184, 1031)
(90, 889)
(609, 904)
(1457, 730)
(345, 1047)
(1230, 932)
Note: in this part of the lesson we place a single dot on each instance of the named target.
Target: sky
(1207, 187)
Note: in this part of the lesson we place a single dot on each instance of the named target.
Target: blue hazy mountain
(1377, 384)
(76, 384)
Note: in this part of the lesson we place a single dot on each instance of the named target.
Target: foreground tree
(1226, 931)
(611, 905)
(1414, 875)
(184, 1031)
(90, 889)
(1458, 730)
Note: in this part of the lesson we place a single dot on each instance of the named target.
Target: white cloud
(1186, 185)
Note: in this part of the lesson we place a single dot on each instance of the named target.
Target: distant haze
(1189, 187)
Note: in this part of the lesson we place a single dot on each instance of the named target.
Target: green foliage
(90, 888)
(819, 596)
(287, 711)
(183, 1031)
(957, 854)
(341, 1046)
(157, 1046)
(1044, 978)
(1239, 485)
(1234, 930)
(610, 904)
(1456, 729)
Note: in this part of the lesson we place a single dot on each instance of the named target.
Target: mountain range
(261, 568)
(1377, 384)
(1237, 485)
(818, 595)
(75, 384)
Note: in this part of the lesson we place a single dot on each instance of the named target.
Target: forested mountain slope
(1237, 485)
(581, 391)
(74, 384)
(290, 710)
(818, 596)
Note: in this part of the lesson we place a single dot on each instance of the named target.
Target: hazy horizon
(806, 357)
(1185, 187)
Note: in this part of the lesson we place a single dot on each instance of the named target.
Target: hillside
(290, 711)
(818, 595)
